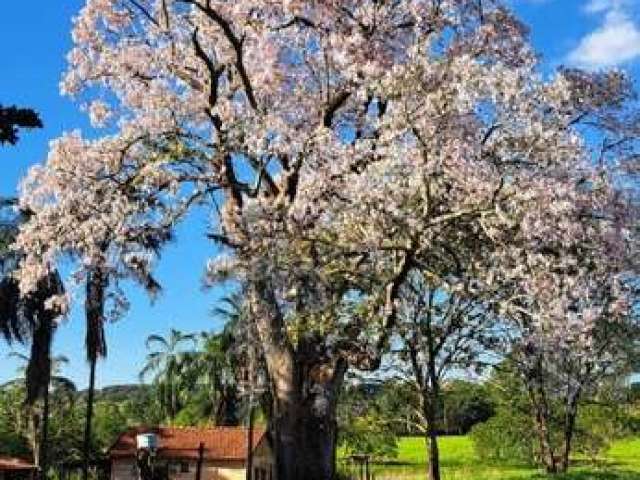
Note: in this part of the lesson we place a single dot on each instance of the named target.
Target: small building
(12, 468)
(224, 454)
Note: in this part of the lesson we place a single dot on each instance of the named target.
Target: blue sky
(589, 33)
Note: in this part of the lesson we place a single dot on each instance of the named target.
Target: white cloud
(615, 42)
(597, 6)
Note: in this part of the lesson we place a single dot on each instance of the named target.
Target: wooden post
(200, 460)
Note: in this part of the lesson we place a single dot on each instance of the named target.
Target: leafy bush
(507, 436)
(599, 425)
(369, 434)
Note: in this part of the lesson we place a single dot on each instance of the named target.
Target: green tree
(364, 423)
(465, 404)
(167, 363)
(38, 413)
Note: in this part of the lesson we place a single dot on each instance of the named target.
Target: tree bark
(540, 406)
(431, 410)
(305, 429)
(305, 383)
(96, 348)
(431, 393)
(569, 429)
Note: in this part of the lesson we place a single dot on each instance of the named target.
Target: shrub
(599, 425)
(507, 436)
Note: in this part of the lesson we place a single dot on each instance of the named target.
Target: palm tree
(244, 360)
(167, 362)
(28, 317)
(212, 372)
(96, 348)
(40, 420)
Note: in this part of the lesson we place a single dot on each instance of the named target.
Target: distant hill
(118, 393)
(112, 393)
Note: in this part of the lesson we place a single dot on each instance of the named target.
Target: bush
(598, 426)
(507, 436)
(369, 434)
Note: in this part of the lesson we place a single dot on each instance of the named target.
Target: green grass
(460, 462)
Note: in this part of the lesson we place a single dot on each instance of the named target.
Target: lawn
(460, 462)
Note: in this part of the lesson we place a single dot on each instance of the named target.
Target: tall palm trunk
(86, 449)
(96, 348)
(44, 446)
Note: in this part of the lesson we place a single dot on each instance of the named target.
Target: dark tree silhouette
(25, 319)
(14, 118)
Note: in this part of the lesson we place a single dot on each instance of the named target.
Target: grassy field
(459, 462)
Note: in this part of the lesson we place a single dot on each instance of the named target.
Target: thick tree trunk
(306, 380)
(305, 432)
(86, 449)
(35, 429)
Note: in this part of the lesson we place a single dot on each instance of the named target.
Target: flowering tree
(570, 305)
(349, 143)
(74, 219)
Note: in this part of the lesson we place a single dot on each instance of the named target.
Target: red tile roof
(11, 463)
(220, 443)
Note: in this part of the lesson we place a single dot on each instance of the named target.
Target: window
(184, 467)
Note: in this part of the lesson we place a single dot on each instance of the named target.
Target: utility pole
(200, 460)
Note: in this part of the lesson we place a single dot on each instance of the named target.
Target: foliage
(465, 405)
(65, 424)
(365, 425)
(14, 118)
(599, 425)
(508, 434)
(353, 145)
(369, 434)
(460, 461)
(166, 364)
(505, 437)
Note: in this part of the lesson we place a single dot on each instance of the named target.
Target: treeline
(20, 425)
(495, 412)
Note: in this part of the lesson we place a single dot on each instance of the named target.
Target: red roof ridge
(221, 442)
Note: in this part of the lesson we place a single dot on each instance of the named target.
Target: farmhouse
(224, 456)
(16, 469)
